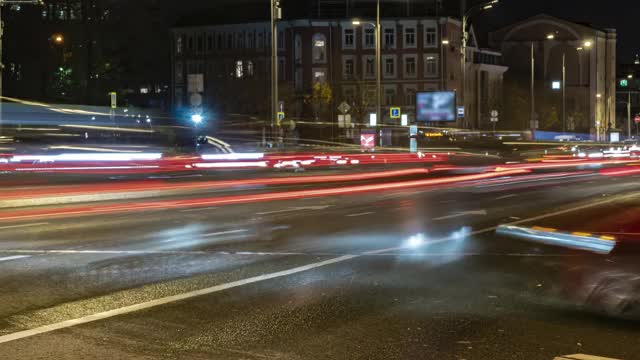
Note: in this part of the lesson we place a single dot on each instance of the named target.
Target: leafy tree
(551, 120)
(320, 99)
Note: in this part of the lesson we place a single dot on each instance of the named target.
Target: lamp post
(465, 37)
(376, 26)
(276, 14)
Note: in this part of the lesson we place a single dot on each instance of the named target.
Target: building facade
(232, 63)
(589, 68)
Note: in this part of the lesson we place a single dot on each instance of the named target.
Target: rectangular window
(409, 96)
(239, 69)
(260, 41)
(220, 41)
(369, 38)
(389, 38)
(348, 39)
(431, 65)
(369, 67)
(230, 41)
(409, 37)
(200, 44)
(190, 43)
(389, 67)
(250, 68)
(430, 37)
(209, 43)
(389, 96)
(410, 66)
(179, 44)
(251, 44)
(348, 67)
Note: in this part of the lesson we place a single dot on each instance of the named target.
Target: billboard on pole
(436, 106)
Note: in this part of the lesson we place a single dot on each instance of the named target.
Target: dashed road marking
(15, 257)
(22, 225)
(225, 233)
(361, 214)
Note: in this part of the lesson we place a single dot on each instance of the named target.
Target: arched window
(319, 48)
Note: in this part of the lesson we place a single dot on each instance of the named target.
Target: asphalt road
(412, 274)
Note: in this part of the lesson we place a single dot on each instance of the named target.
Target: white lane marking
(22, 225)
(170, 299)
(461, 214)
(360, 214)
(225, 232)
(16, 257)
(199, 209)
(167, 300)
(506, 196)
(323, 207)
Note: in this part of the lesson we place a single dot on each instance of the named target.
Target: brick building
(418, 54)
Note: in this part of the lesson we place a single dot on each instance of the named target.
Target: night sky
(623, 15)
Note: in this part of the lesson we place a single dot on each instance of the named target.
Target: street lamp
(465, 36)
(376, 26)
(58, 39)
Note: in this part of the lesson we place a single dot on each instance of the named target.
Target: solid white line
(167, 300)
(360, 214)
(16, 257)
(225, 232)
(506, 197)
(22, 225)
(188, 295)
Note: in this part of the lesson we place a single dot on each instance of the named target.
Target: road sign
(195, 83)
(404, 120)
(368, 140)
(637, 119)
(395, 113)
(344, 108)
(461, 111)
(280, 117)
(494, 119)
(373, 120)
(624, 83)
(195, 99)
(114, 99)
(494, 113)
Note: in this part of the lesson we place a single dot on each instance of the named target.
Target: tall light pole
(378, 35)
(630, 76)
(465, 38)
(276, 14)
(564, 93)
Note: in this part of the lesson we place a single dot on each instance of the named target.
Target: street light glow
(551, 37)
(630, 76)
(445, 42)
(196, 118)
(58, 38)
(487, 7)
(587, 44)
(356, 22)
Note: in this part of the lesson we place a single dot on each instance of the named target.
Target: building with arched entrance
(540, 53)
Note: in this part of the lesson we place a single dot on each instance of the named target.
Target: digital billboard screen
(434, 106)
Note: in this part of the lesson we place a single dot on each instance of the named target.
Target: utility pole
(564, 93)
(533, 91)
(629, 115)
(379, 68)
(276, 14)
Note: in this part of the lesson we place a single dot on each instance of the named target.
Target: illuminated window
(239, 69)
(250, 68)
(319, 48)
(431, 65)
